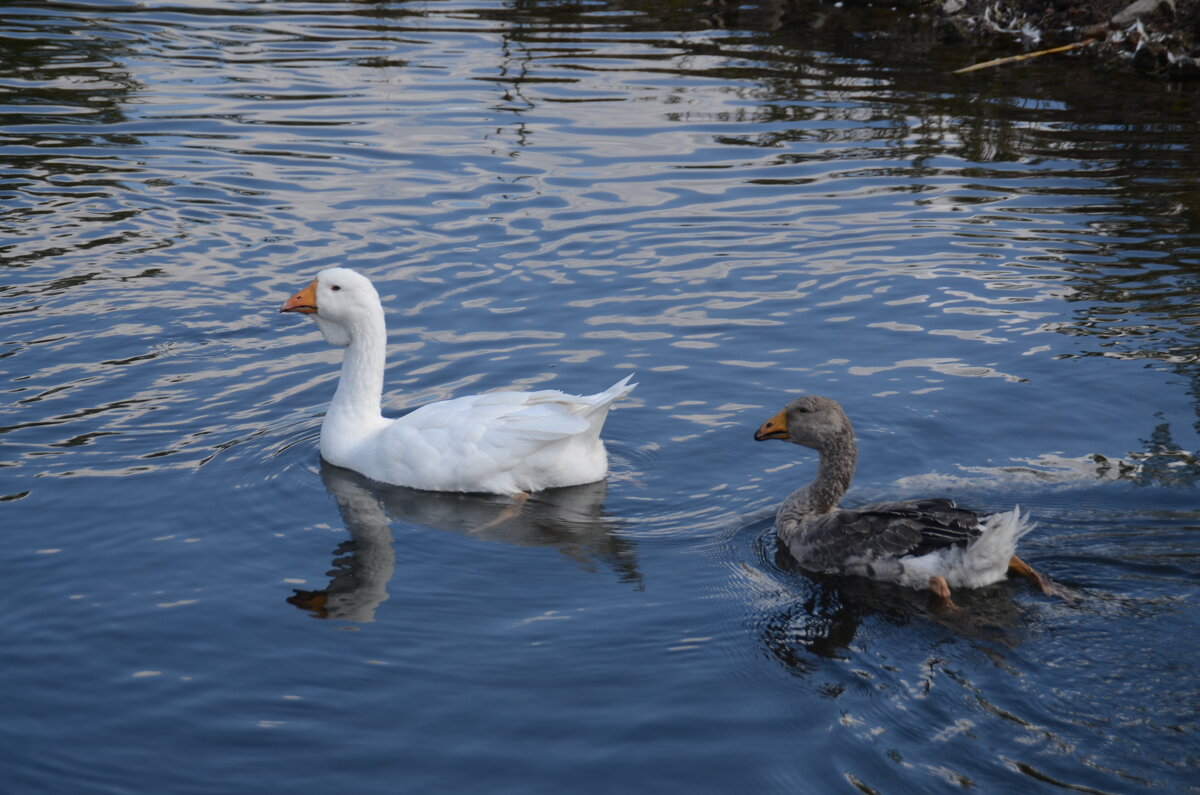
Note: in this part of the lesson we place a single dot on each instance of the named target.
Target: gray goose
(924, 543)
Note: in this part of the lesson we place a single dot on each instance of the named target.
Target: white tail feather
(987, 557)
(982, 562)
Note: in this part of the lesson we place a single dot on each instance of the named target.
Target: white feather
(982, 562)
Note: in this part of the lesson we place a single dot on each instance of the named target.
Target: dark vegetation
(1155, 36)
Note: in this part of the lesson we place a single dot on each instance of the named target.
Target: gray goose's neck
(834, 473)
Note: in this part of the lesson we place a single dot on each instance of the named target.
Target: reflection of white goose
(359, 583)
(571, 520)
(927, 543)
(501, 442)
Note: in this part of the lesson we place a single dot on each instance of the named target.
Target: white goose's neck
(355, 408)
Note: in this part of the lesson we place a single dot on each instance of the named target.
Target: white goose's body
(500, 442)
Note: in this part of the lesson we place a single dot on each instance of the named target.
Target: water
(996, 275)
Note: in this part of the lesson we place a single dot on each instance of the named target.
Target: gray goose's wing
(885, 530)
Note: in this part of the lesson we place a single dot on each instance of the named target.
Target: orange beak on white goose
(774, 428)
(304, 302)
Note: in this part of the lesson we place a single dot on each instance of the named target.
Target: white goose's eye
(335, 288)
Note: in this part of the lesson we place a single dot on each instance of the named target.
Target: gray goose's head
(811, 421)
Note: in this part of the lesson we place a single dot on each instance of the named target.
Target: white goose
(925, 543)
(501, 442)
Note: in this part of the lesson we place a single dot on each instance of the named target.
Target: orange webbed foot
(941, 594)
(1044, 584)
(511, 511)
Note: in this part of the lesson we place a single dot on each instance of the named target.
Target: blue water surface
(996, 274)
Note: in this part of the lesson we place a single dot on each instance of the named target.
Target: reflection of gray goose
(572, 520)
(927, 543)
(502, 442)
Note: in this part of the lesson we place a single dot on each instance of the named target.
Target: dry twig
(1024, 56)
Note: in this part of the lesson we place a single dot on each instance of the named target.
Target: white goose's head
(341, 301)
